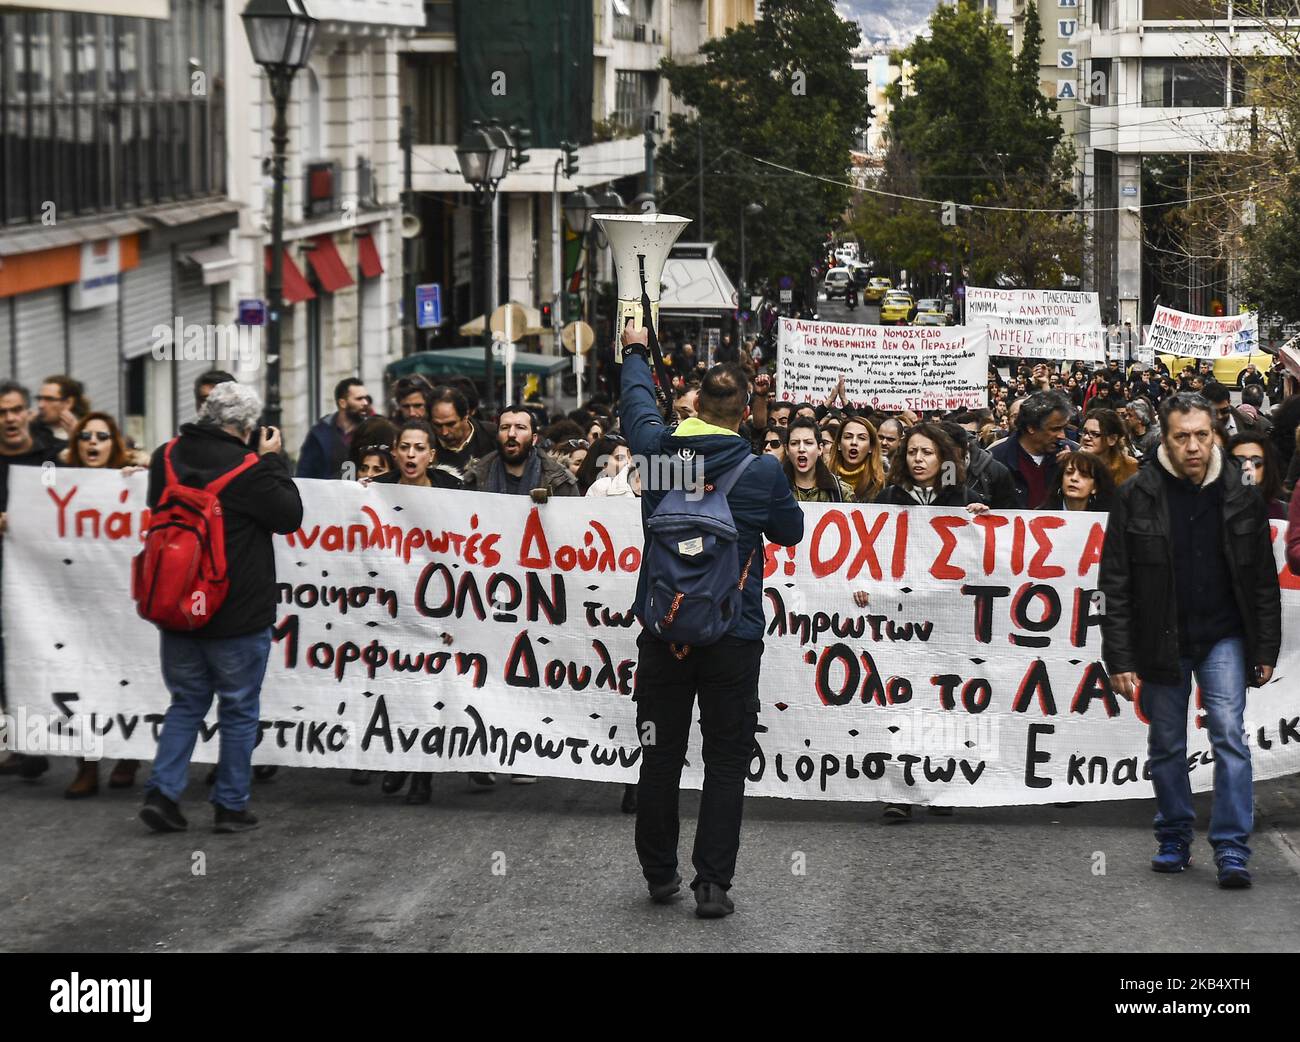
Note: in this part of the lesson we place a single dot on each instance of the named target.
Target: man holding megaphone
(700, 602)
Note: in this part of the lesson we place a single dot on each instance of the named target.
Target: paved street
(336, 867)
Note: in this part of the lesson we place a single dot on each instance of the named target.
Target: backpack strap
(169, 470)
(728, 480)
(218, 486)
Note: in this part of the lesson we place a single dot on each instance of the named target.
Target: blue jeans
(194, 670)
(1221, 674)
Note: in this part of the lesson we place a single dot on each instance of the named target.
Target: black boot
(629, 799)
(421, 788)
(392, 783)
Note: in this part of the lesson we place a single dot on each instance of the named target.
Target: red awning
(368, 257)
(295, 286)
(325, 261)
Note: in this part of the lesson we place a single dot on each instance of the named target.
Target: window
(101, 113)
(429, 81)
(1099, 81)
(635, 94)
(1184, 10)
(1184, 83)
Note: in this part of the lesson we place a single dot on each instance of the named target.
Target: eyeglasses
(578, 443)
(1254, 461)
(96, 435)
(1089, 435)
(775, 443)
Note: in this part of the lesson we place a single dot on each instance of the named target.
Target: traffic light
(546, 315)
(523, 139)
(570, 151)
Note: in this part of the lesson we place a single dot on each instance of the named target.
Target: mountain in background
(892, 23)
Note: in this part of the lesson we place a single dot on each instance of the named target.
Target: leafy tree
(1271, 279)
(782, 89)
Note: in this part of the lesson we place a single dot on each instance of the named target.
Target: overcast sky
(893, 22)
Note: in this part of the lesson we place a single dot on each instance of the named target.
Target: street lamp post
(484, 155)
(578, 208)
(280, 35)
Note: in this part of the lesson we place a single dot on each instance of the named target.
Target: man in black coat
(1030, 453)
(1190, 586)
(227, 656)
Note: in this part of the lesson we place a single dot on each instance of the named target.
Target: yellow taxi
(1228, 370)
(875, 290)
(930, 318)
(896, 307)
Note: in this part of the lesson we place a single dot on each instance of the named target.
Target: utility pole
(699, 180)
(409, 317)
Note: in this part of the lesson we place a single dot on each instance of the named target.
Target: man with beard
(19, 447)
(517, 468)
(461, 438)
(326, 445)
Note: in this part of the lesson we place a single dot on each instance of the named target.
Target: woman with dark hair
(1254, 453)
(607, 456)
(1083, 482)
(417, 467)
(376, 432)
(774, 442)
(1103, 434)
(810, 478)
(857, 460)
(928, 469)
(96, 441)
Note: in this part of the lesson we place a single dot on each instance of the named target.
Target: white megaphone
(640, 243)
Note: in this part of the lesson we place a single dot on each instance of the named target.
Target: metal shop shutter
(146, 302)
(6, 340)
(40, 336)
(193, 306)
(92, 342)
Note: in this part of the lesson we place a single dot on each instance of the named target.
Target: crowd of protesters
(1053, 437)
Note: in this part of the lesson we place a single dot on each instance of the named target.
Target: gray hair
(232, 405)
(1142, 408)
(1038, 407)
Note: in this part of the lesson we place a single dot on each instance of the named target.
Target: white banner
(1062, 308)
(1049, 342)
(971, 679)
(1202, 336)
(890, 368)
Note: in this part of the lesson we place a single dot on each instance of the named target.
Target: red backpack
(179, 579)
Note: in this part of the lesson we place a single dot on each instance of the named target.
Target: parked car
(929, 305)
(929, 318)
(1227, 370)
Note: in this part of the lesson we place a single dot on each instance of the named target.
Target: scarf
(924, 496)
(852, 477)
(529, 480)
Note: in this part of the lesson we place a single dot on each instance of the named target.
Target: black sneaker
(712, 902)
(227, 820)
(421, 790)
(629, 799)
(663, 893)
(483, 781)
(162, 814)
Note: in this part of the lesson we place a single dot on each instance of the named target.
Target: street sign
(787, 296)
(252, 313)
(577, 337)
(510, 321)
(428, 305)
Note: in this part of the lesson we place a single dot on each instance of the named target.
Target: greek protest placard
(1048, 342)
(456, 631)
(1202, 336)
(887, 367)
(1059, 308)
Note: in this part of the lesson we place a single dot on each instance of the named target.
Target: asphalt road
(551, 867)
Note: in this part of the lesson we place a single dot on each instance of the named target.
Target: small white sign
(1065, 90)
(101, 263)
(1066, 60)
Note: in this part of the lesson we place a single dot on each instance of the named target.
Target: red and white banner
(972, 678)
(1202, 336)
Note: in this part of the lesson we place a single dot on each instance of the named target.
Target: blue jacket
(761, 501)
(323, 450)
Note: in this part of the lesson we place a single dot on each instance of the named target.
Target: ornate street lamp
(280, 35)
(484, 155)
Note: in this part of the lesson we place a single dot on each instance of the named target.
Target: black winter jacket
(989, 480)
(261, 501)
(950, 496)
(1140, 625)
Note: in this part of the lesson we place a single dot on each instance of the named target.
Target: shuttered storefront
(193, 307)
(146, 301)
(40, 333)
(92, 344)
(6, 340)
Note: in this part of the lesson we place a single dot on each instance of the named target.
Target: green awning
(468, 361)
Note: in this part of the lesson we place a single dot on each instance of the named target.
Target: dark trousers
(725, 676)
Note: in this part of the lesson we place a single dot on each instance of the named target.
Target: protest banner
(1048, 342)
(972, 678)
(1059, 308)
(1202, 336)
(890, 368)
